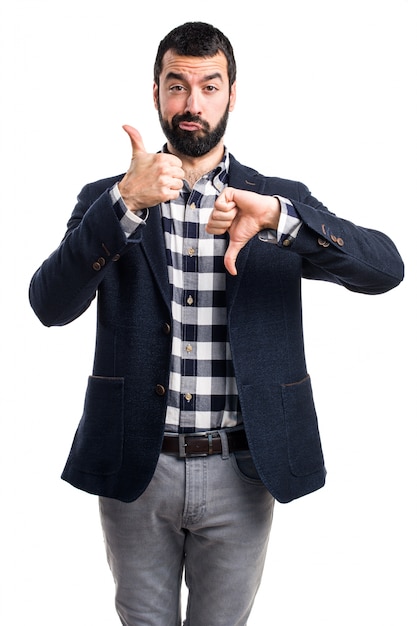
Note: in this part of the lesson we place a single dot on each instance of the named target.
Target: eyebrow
(179, 76)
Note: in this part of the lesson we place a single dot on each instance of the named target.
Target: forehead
(196, 67)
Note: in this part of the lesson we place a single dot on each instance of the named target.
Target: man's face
(193, 101)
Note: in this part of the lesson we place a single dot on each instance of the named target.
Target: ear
(155, 95)
(232, 99)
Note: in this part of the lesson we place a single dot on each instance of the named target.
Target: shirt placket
(189, 316)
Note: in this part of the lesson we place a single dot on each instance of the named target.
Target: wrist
(272, 213)
(130, 199)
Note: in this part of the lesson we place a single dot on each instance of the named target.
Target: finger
(225, 200)
(176, 183)
(135, 139)
(213, 229)
(231, 256)
(219, 222)
(222, 208)
(177, 171)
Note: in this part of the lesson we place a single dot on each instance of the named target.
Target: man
(199, 412)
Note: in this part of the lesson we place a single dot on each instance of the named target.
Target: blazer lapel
(241, 177)
(153, 246)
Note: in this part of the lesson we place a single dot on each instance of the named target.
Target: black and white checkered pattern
(202, 389)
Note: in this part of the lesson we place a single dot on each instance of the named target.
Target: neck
(196, 167)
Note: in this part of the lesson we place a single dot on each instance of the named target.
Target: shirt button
(189, 348)
(188, 396)
(192, 206)
(190, 300)
(191, 252)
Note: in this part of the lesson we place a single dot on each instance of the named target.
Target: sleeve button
(323, 242)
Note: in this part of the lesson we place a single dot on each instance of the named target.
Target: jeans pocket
(245, 467)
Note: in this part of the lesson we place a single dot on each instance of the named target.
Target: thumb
(231, 256)
(135, 139)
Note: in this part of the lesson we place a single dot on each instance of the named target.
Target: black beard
(193, 144)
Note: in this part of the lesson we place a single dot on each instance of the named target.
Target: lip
(190, 126)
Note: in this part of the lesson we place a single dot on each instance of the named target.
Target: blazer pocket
(98, 442)
(305, 454)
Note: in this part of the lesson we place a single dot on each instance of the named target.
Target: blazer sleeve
(336, 250)
(67, 281)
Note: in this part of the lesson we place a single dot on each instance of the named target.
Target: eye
(211, 88)
(176, 88)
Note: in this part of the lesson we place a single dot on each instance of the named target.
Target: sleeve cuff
(129, 220)
(288, 226)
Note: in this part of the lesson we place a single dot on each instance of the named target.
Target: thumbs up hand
(151, 178)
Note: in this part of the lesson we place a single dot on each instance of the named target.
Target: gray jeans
(208, 517)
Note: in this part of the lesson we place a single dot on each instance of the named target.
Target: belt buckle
(182, 444)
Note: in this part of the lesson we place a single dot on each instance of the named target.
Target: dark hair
(196, 39)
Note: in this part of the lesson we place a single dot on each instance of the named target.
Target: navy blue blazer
(118, 441)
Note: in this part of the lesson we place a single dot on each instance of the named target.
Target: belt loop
(225, 444)
(182, 446)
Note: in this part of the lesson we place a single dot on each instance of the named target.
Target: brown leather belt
(204, 444)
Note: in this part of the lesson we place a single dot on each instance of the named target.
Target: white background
(326, 95)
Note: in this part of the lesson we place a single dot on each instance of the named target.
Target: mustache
(188, 117)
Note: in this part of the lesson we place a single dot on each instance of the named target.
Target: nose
(193, 105)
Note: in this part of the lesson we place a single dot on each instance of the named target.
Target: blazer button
(167, 328)
(116, 257)
(323, 242)
(97, 265)
(160, 390)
